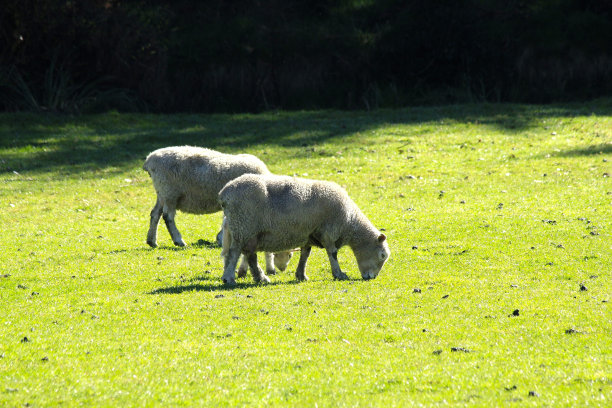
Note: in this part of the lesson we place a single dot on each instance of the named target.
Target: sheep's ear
(382, 237)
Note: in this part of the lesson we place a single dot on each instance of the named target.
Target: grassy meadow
(497, 292)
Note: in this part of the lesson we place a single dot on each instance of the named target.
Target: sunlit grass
(488, 209)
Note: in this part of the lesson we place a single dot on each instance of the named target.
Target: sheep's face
(281, 260)
(372, 257)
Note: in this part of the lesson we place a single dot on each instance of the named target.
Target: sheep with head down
(272, 213)
(189, 179)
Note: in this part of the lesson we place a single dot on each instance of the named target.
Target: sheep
(189, 179)
(277, 213)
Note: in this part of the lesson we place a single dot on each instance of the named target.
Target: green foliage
(59, 94)
(74, 56)
(489, 209)
(251, 56)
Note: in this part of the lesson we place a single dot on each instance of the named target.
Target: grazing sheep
(189, 179)
(278, 213)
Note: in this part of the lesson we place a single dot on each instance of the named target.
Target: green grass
(487, 208)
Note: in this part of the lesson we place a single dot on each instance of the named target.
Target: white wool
(278, 213)
(189, 179)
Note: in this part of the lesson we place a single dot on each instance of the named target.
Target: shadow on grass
(199, 244)
(204, 278)
(603, 148)
(146, 248)
(113, 141)
(219, 287)
(203, 243)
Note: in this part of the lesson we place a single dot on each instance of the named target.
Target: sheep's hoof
(152, 244)
(180, 243)
(263, 279)
(271, 272)
(242, 273)
(229, 282)
(341, 276)
(302, 278)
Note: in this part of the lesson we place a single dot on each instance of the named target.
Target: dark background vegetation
(214, 55)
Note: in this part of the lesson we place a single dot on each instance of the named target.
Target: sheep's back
(283, 212)
(192, 177)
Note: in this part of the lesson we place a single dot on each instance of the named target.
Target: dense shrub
(215, 55)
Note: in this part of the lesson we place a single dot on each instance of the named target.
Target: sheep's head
(372, 256)
(281, 260)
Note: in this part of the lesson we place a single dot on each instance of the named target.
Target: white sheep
(278, 213)
(189, 179)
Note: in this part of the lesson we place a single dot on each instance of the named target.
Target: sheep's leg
(156, 213)
(332, 253)
(270, 263)
(258, 274)
(168, 214)
(229, 270)
(244, 265)
(242, 269)
(299, 272)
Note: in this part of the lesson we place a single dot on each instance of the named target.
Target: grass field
(497, 292)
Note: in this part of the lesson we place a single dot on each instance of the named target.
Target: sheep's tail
(227, 237)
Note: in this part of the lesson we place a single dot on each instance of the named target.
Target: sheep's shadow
(200, 243)
(213, 287)
(160, 248)
(204, 243)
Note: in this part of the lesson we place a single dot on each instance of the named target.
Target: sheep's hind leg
(229, 263)
(332, 253)
(242, 269)
(156, 213)
(270, 270)
(169, 213)
(258, 274)
(299, 272)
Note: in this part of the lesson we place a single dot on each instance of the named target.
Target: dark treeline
(168, 56)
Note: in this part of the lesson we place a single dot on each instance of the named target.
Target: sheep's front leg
(156, 213)
(258, 274)
(332, 253)
(229, 270)
(169, 213)
(301, 268)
